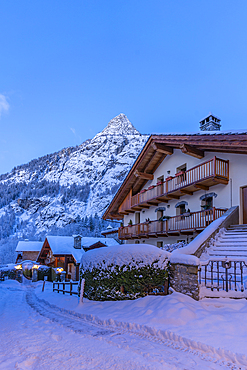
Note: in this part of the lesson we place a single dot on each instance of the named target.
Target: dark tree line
(35, 189)
(85, 226)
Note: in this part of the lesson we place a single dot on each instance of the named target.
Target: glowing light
(59, 269)
(35, 266)
(18, 267)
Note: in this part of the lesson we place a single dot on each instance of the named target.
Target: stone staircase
(232, 243)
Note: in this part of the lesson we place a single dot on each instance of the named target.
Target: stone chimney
(210, 123)
(77, 241)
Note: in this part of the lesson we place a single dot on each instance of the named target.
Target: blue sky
(68, 67)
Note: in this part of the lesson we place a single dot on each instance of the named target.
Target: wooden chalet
(180, 183)
(62, 252)
(66, 251)
(27, 250)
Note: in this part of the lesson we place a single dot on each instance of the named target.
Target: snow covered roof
(86, 242)
(226, 132)
(28, 246)
(64, 245)
(109, 231)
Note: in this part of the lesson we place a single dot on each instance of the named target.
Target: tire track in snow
(115, 333)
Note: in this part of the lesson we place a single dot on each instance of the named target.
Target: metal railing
(223, 275)
(69, 286)
(187, 221)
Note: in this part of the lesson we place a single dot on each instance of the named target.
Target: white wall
(225, 197)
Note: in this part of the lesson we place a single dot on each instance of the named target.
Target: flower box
(169, 178)
(159, 183)
(143, 191)
(151, 187)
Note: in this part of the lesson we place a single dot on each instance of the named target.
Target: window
(207, 203)
(137, 217)
(180, 172)
(180, 209)
(160, 181)
(159, 214)
(160, 244)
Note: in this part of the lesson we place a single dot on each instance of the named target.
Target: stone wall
(184, 279)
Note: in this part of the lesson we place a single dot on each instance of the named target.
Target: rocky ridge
(75, 182)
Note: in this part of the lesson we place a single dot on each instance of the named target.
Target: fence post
(70, 291)
(82, 290)
(63, 288)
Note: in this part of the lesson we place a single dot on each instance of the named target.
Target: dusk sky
(68, 67)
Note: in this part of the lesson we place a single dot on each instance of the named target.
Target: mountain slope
(63, 188)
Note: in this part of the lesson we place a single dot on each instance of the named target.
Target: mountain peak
(120, 125)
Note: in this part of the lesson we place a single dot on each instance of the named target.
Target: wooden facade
(65, 261)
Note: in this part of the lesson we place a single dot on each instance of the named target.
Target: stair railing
(223, 275)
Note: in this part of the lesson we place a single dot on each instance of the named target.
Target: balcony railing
(204, 175)
(187, 222)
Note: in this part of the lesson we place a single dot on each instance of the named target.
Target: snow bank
(210, 325)
(124, 254)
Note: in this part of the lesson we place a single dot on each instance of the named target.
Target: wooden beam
(123, 213)
(154, 202)
(187, 232)
(186, 192)
(161, 148)
(175, 233)
(203, 187)
(144, 175)
(162, 234)
(162, 200)
(172, 196)
(190, 150)
(147, 206)
(138, 208)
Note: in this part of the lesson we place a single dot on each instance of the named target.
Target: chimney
(77, 241)
(210, 123)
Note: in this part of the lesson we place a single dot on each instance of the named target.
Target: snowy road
(35, 335)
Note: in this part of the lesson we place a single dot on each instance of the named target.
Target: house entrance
(244, 204)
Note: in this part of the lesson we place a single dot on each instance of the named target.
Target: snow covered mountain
(64, 187)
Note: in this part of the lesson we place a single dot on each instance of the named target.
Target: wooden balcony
(183, 224)
(203, 176)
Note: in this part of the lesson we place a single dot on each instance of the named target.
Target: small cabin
(27, 250)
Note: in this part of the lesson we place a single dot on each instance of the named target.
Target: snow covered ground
(46, 330)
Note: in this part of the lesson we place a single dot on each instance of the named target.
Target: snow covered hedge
(125, 271)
